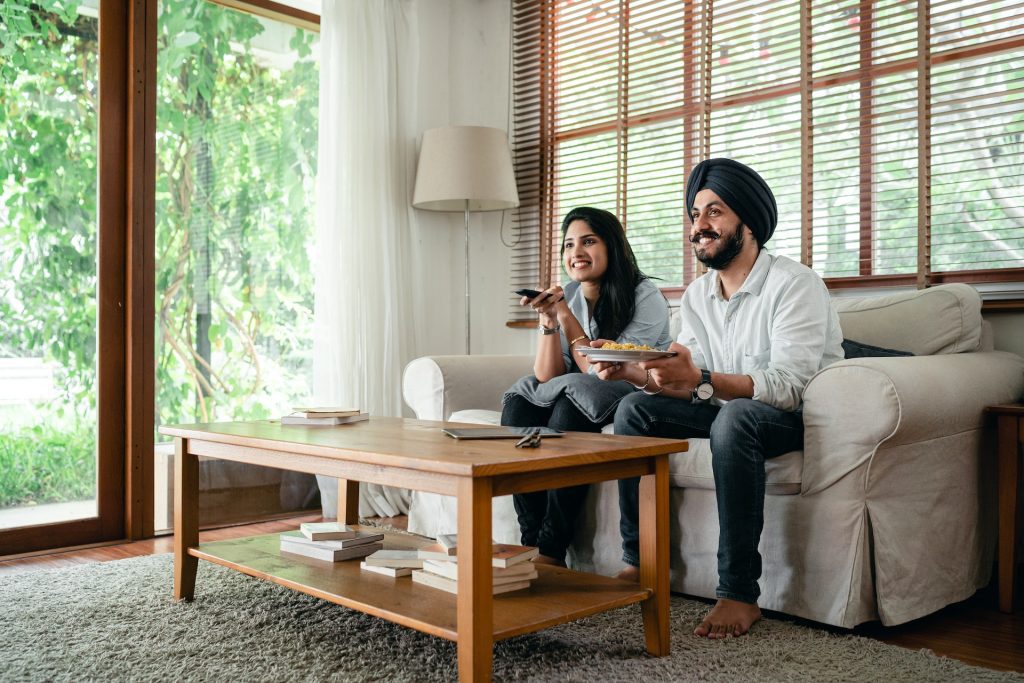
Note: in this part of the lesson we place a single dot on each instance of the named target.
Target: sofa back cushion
(943, 319)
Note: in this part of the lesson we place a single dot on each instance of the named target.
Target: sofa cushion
(943, 319)
(691, 469)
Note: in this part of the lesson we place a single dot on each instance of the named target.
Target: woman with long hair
(608, 298)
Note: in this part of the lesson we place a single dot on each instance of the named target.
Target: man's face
(717, 233)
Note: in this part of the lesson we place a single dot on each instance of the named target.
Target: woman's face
(584, 254)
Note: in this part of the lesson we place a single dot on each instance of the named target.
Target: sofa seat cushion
(691, 469)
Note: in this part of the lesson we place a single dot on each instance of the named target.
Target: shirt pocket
(756, 359)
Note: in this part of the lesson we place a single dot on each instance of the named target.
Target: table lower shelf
(556, 596)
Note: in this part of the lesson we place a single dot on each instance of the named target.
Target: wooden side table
(1010, 437)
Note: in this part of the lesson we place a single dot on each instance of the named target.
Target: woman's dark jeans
(547, 519)
(743, 433)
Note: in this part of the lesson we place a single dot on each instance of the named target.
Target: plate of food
(622, 353)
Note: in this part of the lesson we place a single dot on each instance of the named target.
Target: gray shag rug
(117, 621)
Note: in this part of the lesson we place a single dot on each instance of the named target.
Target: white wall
(463, 80)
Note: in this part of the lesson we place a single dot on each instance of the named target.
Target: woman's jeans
(744, 433)
(547, 519)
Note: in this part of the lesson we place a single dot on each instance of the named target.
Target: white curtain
(363, 326)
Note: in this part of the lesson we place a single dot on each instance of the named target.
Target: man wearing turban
(755, 328)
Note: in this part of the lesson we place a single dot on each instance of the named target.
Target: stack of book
(392, 562)
(511, 570)
(324, 416)
(330, 541)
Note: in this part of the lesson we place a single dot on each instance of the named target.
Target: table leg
(186, 519)
(654, 559)
(348, 501)
(475, 607)
(1010, 436)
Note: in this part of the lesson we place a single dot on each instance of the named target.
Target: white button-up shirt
(779, 328)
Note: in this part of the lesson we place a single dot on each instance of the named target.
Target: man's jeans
(743, 434)
(547, 519)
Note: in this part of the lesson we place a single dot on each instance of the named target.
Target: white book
(386, 571)
(326, 411)
(450, 570)
(395, 559)
(434, 581)
(335, 555)
(326, 531)
(502, 554)
(448, 541)
(297, 419)
(361, 538)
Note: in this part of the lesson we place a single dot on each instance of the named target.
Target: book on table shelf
(525, 571)
(326, 411)
(326, 531)
(300, 419)
(396, 559)
(360, 538)
(394, 572)
(328, 554)
(502, 554)
(449, 542)
(422, 576)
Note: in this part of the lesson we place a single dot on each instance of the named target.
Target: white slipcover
(888, 511)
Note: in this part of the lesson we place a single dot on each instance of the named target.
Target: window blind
(889, 130)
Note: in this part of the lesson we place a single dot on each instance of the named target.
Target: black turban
(741, 188)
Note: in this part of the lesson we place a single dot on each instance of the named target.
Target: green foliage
(236, 161)
(47, 465)
(48, 167)
(236, 164)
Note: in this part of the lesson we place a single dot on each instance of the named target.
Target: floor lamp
(465, 168)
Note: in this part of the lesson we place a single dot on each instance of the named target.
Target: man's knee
(628, 415)
(736, 421)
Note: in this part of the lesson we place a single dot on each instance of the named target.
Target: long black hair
(616, 302)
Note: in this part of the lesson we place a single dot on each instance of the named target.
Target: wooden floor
(973, 631)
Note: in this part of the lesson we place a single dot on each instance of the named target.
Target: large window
(235, 169)
(48, 250)
(891, 132)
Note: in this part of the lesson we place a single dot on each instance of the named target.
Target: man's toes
(703, 629)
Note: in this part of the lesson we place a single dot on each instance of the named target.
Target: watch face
(705, 391)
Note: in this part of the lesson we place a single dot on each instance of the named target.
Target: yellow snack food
(627, 347)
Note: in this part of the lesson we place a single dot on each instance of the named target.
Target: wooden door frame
(125, 263)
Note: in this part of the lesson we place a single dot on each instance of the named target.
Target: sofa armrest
(434, 387)
(854, 407)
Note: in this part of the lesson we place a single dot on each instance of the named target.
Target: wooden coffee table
(415, 454)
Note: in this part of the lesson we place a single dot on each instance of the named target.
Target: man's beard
(726, 255)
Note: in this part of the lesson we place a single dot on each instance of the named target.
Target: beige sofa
(886, 514)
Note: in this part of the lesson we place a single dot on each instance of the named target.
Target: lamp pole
(466, 213)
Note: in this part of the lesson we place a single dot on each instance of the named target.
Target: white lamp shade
(461, 164)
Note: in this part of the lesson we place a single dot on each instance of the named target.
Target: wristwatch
(549, 330)
(704, 389)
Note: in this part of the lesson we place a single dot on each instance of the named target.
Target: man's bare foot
(728, 618)
(630, 573)
(544, 559)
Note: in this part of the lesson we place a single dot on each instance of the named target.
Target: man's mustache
(704, 233)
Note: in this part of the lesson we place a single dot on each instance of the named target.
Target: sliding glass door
(58, 343)
(236, 124)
